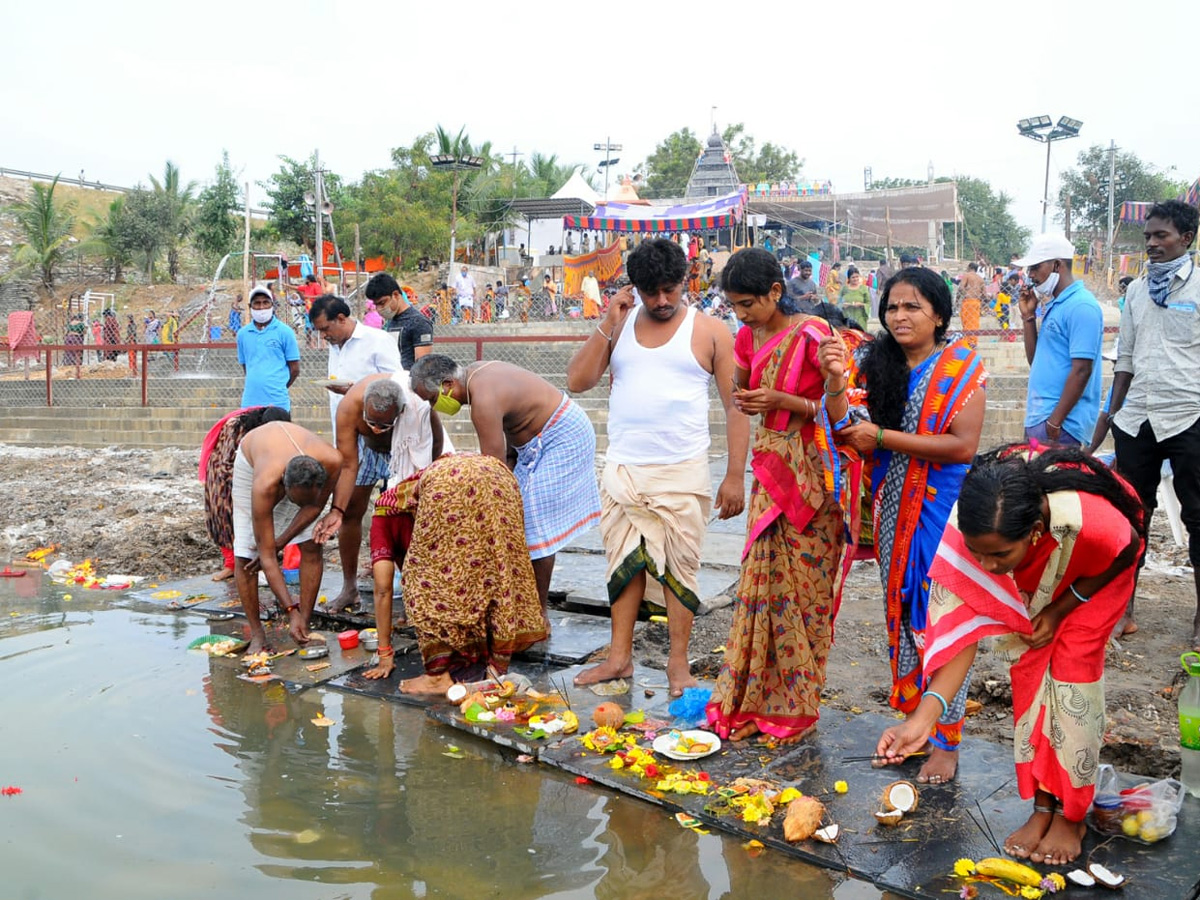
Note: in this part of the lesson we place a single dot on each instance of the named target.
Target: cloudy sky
(116, 89)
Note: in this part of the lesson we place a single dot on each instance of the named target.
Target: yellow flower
(964, 867)
(1032, 893)
(616, 763)
(841, 787)
(1059, 882)
(787, 796)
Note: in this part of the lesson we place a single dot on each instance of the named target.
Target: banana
(1008, 870)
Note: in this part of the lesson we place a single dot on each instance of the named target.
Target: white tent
(576, 188)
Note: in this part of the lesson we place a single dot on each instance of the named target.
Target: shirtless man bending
(539, 432)
(282, 477)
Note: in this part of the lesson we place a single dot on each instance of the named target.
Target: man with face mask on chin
(1063, 343)
(534, 428)
(268, 352)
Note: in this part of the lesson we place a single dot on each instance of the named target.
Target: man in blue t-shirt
(268, 352)
(1063, 402)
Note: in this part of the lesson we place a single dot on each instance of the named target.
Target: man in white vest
(655, 490)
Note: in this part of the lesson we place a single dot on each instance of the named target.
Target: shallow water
(146, 773)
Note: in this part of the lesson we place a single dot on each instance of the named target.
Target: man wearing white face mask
(1063, 348)
(268, 352)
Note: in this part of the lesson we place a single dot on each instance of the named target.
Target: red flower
(652, 771)
(580, 779)
(703, 776)
(10, 791)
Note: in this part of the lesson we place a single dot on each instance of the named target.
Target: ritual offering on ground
(685, 745)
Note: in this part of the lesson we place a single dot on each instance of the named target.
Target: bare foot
(1021, 843)
(748, 730)
(343, 601)
(679, 676)
(786, 741)
(1125, 626)
(223, 575)
(940, 767)
(1061, 844)
(609, 670)
(258, 643)
(427, 684)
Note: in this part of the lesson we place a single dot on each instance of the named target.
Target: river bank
(141, 512)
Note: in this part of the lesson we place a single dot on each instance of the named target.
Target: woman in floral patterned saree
(791, 371)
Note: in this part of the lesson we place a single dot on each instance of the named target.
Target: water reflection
(157, 773)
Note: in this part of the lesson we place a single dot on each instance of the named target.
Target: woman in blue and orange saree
(790, 370)
(924, 393)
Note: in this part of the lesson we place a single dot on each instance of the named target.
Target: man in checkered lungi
(547, 440)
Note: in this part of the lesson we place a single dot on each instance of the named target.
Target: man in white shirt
(355, 351)
(464, 292)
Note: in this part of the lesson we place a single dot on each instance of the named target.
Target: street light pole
(608, 147)
(1112, 177)
(1041, 128)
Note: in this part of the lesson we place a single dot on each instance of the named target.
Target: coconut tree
(45, 224)
(109, 238)
(177, 201)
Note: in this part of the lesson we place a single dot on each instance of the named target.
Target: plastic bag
(688, 709)
(1134, 807)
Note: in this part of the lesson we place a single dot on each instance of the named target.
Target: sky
(117, 89)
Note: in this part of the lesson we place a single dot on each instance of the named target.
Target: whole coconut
(608, 714)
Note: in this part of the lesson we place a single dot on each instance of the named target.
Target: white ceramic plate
(664, 744)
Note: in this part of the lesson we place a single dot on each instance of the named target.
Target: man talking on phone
(655, 491)
(1063, 342)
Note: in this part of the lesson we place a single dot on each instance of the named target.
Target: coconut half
(828, 834)
(1106, 877)
(456, 693)
(900, 796)
(889, 817)
(1081, 878)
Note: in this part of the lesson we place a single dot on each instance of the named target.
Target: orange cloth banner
(605, 264)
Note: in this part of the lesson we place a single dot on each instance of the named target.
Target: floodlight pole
(1041, 129)
(1046, 187)
(608, 147)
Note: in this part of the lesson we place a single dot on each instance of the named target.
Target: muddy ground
(141, 512)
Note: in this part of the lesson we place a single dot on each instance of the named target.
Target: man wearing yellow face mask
(546, 439)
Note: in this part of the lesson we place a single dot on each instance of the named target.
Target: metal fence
(207, 375)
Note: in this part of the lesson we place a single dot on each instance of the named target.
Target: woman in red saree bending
(1041, 550)
(786, 362)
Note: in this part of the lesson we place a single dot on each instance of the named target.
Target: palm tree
(109, 240)
(177, 203)
(46, 227)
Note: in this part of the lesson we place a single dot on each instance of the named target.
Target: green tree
(144, 226)
(45, 226)
(216, 227)
(108, 238)
(769, 163)
(666, 171)
(291, 217)
(1086, 186)
(175, 201)
(989, 230)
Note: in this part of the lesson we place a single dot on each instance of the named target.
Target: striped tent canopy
(719, 212)
(1134, 212)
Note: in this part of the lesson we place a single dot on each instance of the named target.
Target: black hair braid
(1003, 491)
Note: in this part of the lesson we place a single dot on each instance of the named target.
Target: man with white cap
(1063, 341)
(268, 352)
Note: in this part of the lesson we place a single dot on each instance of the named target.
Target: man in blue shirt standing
(268, 352)
(1063, 402)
